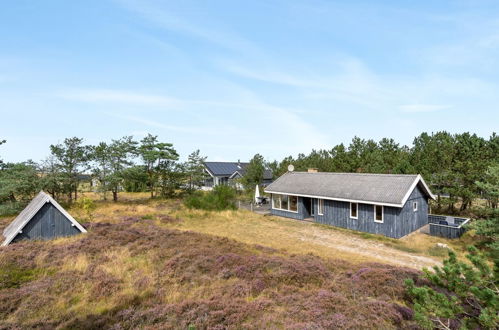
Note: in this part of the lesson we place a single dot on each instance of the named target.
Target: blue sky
(235, 78)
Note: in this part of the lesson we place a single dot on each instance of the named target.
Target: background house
(228, 173)
(388, 204)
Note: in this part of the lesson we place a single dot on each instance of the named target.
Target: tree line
(460, 167)
(123, 164)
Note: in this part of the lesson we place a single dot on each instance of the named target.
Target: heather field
(140, 267)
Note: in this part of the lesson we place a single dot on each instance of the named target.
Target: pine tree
(194, 168)
(461, 295)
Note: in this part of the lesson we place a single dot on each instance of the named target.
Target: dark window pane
(284, 202)
(379, 212)
(293, 203)
(353, 212)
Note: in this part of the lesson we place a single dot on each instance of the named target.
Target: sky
(236, 78)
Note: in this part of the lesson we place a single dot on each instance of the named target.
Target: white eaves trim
(27, 218)
(209, 172)
(334, 199)
(418, 179)
(234, 174)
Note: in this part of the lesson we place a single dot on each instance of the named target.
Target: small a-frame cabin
(42, 219)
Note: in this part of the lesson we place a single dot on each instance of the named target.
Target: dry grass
(303, 237)
(155, 264)
(135, 273)
(276, 232)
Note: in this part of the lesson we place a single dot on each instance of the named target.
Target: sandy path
(349, 243)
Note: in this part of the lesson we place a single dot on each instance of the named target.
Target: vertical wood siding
(446, 231)
(397, 222)
(48, 223)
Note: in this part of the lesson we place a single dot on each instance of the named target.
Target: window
(276, 201)
(378, 213)
(415, 206)
(353, 210)
(320, 207)
(293, 203)
(285, 202)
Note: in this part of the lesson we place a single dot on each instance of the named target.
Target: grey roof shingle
(389, 189)
(229, 168)
(29, 212)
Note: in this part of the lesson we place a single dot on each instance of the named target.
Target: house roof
(11, 231)
(230, 168)
(224, 168)
(382, 189)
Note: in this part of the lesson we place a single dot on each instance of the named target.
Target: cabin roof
(382, 189)
(11, 231)
(230, 168)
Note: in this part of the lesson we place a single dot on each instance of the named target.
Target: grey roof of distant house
(29, 212)
(384, 189)
(229, 168)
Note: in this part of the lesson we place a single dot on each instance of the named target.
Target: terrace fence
(447, 226)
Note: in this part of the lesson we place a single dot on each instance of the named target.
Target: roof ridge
(355, 173)
(214, 161)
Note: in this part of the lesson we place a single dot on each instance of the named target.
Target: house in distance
(42, 219)
(393, 205)
(227, 173)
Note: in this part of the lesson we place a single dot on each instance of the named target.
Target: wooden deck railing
(446, 226)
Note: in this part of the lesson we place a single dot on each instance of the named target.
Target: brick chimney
(313, 170)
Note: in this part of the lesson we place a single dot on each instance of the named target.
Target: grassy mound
(135, 273)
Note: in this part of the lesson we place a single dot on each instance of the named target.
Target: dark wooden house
(43, 218)
(387, 204)
(218, 173)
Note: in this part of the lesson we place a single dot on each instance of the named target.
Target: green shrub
(404, 248)
(221, 198)
(10, 208)
(14, 277)
(87, 206)
(438, 251)
(461, 296)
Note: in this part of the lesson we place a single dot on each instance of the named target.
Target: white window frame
(382, 214)
(320, 206)
(357, 207)
(415, 206)
(289, 204)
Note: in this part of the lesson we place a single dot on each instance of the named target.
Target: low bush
(86, 206)
(460, 295)
(147, 217)
(13, 276)
(438, 251)
(221, 198)
(10, 208)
